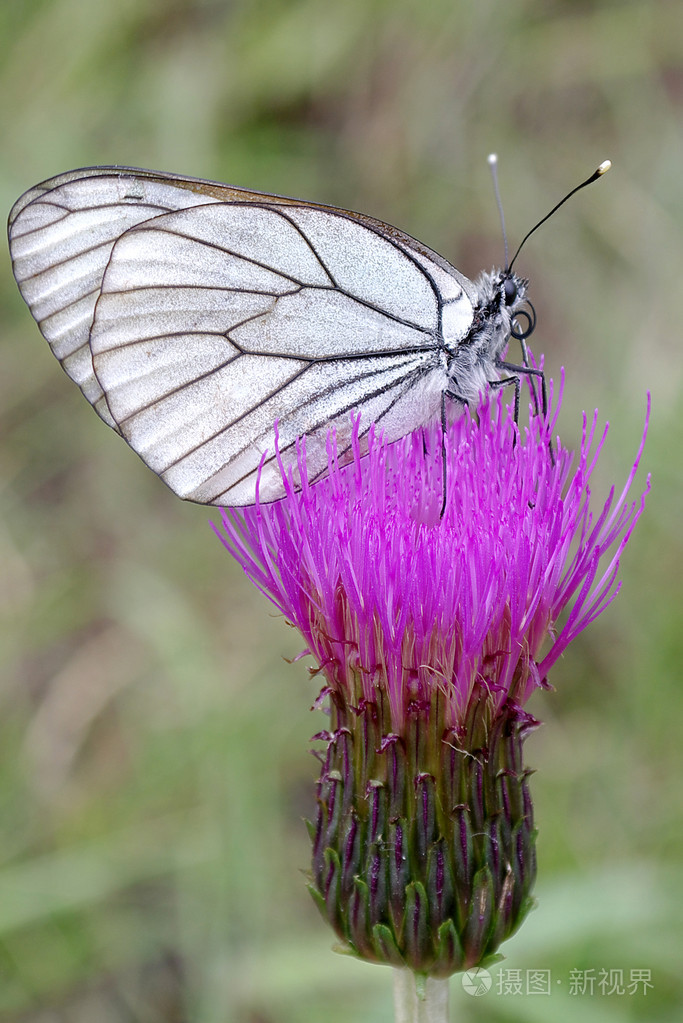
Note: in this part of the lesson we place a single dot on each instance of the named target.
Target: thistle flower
(431, 632)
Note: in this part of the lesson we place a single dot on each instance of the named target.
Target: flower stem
(420, 999)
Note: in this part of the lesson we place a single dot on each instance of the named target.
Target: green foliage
(154, 773)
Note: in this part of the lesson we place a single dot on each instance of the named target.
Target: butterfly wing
(61, 234)
(194, 315)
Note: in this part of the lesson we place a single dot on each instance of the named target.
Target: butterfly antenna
(493, 164)
(602, 169)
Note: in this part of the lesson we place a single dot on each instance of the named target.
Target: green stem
(420, 999)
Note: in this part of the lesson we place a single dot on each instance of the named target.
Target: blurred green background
(154, 770)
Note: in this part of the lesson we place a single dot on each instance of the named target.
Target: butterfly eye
(510, 289)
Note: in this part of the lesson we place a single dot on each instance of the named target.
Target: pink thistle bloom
(364, 566)
(432, 631)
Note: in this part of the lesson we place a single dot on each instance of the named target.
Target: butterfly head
(503, 309)
(513, 292)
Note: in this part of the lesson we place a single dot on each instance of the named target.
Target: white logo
(477, 981)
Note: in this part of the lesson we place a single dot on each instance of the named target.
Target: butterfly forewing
(61, 237)
(194, 316)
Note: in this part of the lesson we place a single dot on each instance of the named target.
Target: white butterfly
(194, 316)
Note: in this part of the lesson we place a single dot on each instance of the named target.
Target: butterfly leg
(527, 363)
(520, 371)
(516, 380)
(453, 395)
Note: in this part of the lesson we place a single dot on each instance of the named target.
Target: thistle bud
(423, 848)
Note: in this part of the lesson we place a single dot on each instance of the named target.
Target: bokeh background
(154, 765)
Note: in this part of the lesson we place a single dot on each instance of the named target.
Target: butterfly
(198, 319)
